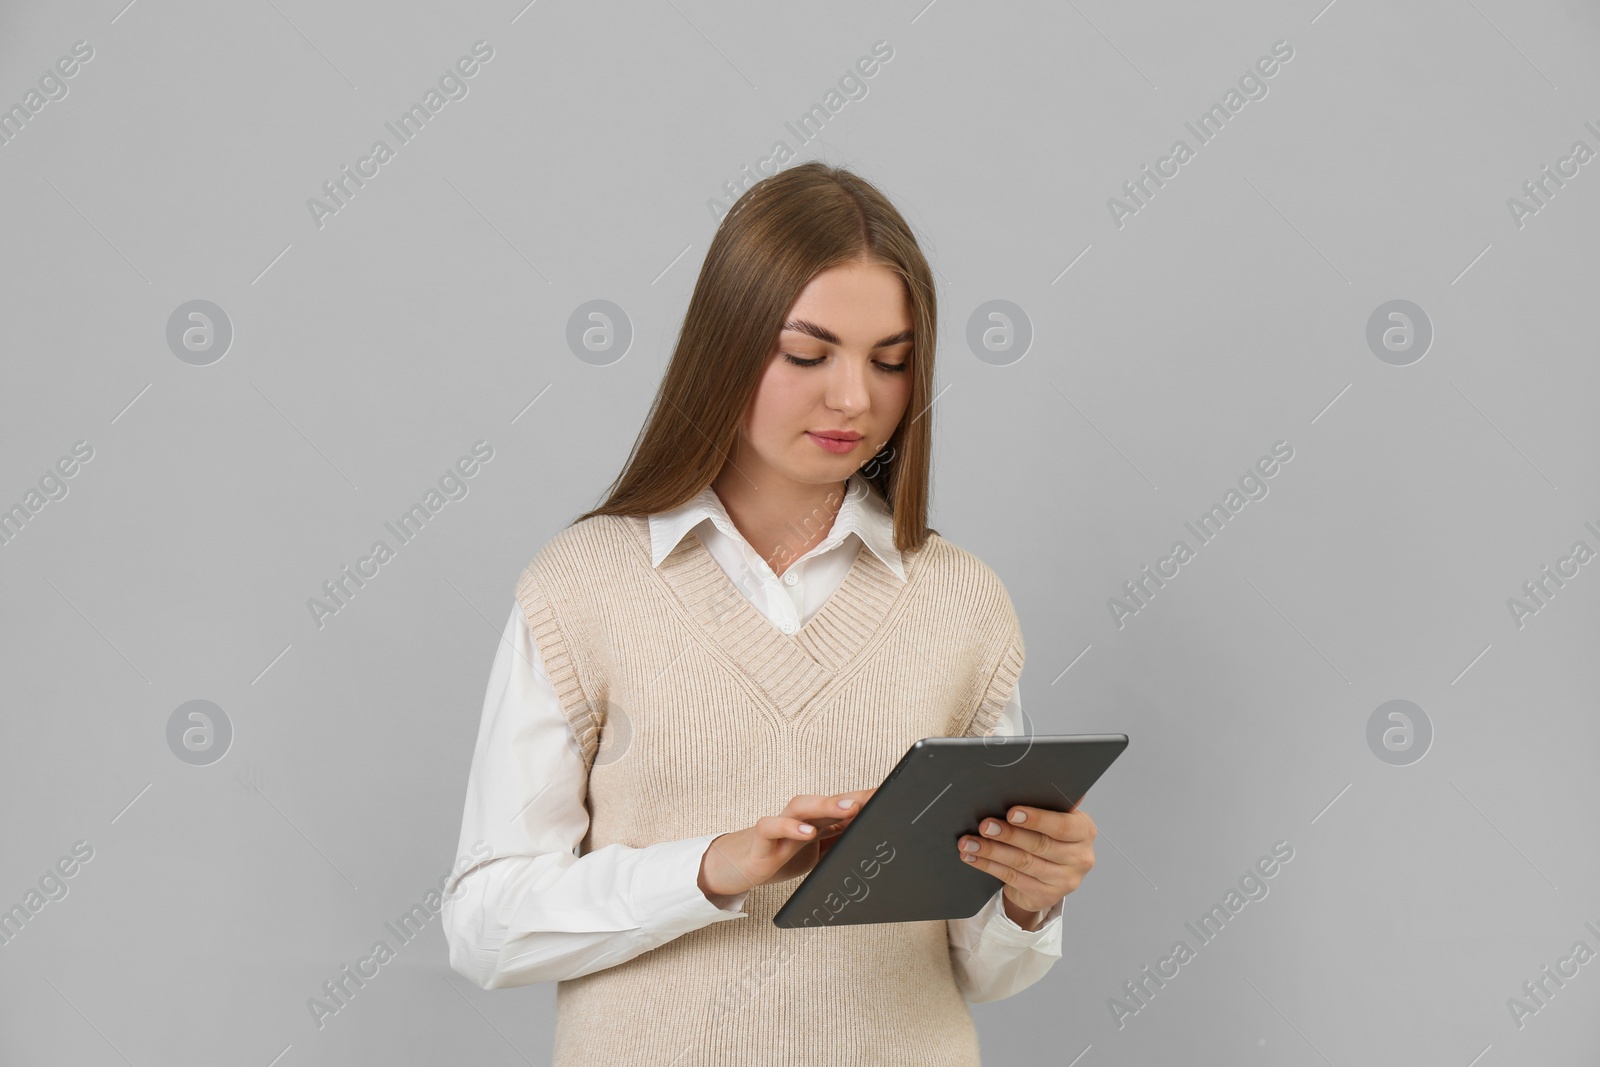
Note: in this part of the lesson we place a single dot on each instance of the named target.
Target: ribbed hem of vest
(545, 628)
(998, 691)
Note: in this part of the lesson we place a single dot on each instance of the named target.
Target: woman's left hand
(1040, 858)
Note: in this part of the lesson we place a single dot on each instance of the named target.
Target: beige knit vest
(696, 715)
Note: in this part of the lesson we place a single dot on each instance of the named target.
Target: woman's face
(851, 328)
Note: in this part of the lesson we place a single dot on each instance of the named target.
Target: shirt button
(790, 578)
(788, 627)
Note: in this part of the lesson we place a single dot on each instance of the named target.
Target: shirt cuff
(1003, 928)
(666, 890)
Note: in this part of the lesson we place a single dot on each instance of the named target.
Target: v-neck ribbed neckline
(789, 668)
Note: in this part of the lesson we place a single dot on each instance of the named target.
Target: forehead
(859, 303)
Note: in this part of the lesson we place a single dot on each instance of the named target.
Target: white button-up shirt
(536, 911)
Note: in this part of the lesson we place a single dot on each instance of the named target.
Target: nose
(847, 386)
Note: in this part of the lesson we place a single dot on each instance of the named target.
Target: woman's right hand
(778, 847)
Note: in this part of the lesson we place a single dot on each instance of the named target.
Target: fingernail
(805, 829)
(970, 846)
(1018, 816)
(991, 828)
(846, 803)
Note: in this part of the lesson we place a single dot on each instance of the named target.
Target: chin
(823, 473)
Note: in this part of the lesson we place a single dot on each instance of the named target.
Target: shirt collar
(863, 513)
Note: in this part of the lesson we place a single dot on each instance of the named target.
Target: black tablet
(897, 861)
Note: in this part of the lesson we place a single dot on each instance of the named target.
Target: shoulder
(964, 573)
(943, 554)
(587, 547)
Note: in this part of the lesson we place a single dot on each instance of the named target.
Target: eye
(890, 368)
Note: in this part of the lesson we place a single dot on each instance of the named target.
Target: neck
(781, 521)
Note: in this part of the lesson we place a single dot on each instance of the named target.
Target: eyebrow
(822, 333)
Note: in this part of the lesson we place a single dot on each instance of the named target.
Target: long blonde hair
(784, 230)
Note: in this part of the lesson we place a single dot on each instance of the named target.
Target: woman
(749, 632)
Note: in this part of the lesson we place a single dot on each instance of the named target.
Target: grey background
(1230, 313)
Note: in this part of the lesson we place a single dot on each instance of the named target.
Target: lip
(836, 435)
(839, 446)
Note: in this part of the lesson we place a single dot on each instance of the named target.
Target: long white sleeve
(994, 958)
(534, 911)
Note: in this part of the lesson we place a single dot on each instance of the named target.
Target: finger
(1022, 882)
(851, 802)
(834, 806)
(1024, 869)
(991, 831)
(836, 828)
(1074, 825)
(1051, 831)
(785, 828)
(832, 833)
(846, 807)
(1052, 869)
